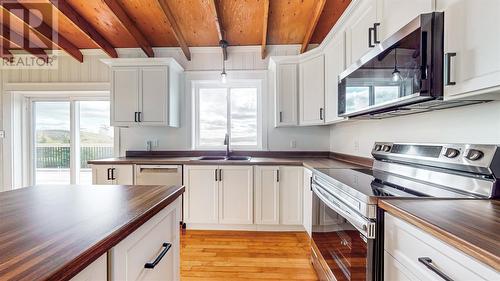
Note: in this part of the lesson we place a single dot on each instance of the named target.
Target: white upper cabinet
(285, 78)
(312, 91)
(394, 14)
(334, 65)
(472, 44)
(360, 30)
(145, 92)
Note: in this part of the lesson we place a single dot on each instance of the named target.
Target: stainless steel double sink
(224, 158)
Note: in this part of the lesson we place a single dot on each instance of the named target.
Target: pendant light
(223, 75)
(396, 75)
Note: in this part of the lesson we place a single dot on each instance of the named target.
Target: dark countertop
(53, 232)
(472, 226)
(308, 162)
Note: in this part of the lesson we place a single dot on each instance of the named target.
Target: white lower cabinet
(291, 185)
(307, 205)
(236, 194)
(152, 252)
(218, 194)
(267, 195)
(201, 198)
(113, 174)
(96, 271)
(407, 248)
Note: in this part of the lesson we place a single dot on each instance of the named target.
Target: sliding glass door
(66, 134)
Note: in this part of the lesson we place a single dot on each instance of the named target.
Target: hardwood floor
(245, 255)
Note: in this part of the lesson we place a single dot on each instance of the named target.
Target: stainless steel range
(347, 233)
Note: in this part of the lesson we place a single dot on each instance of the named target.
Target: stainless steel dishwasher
(158, 174)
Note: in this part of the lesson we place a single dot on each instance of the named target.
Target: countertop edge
(72, 268)
(449, 238)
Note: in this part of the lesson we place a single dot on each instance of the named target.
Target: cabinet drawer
(407, 243)
(147, 244)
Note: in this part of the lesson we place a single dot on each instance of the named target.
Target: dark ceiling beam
(214, 4)
(264, 29)
(21, 42)
(312, 24)
(43, 30)
(130, 25)
(85, 27)
(175, 28)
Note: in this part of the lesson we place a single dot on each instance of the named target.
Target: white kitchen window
(234, 109)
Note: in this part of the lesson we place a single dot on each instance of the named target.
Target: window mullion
(75, 142)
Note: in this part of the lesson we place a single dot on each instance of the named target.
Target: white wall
(470, 124)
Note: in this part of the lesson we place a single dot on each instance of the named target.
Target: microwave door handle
(362, 225)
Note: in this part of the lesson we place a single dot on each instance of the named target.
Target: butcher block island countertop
(53, 232)
(472, 226)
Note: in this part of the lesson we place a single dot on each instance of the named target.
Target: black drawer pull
(166, 247)
(428, 263)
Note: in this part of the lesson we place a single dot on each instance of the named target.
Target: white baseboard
(247, 227)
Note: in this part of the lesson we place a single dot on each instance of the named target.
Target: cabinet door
(201, 196)
(123, 174)
(357, 31)
(312, 91)
(391, 22)
(236, 195)
(145, 244)
(286, 94)
(101, 174)
(307, 206)
(472, 33)
(291, 185)
(266, 195)
(393, 270)
(124, 95)
(96, 271)
(334, 65)
(153, 102)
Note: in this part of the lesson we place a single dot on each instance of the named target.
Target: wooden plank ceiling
(110, 24)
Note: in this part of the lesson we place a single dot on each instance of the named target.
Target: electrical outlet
(293, 143)
(2, 134)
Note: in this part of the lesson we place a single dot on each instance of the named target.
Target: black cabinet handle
(139, 116)
(370, 31)
(216, 175)
(277, 175)
(109, 173)
(375, 33)
(135, 116)
(311, 183)
(321, 114)
(281, 116)
(113, 173)
(220, 174)
(428, 263)
(447, 67)
(166, 247)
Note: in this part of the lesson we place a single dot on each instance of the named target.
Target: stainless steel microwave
(399, 75)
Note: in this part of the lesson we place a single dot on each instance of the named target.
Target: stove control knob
(451, 153)
(474, 154)
(386, 148)
(378, 147)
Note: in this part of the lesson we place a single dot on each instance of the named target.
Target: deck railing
(58, 155)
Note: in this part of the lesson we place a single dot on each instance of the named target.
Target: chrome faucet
(226, 143)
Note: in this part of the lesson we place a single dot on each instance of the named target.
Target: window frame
(73, 100)
(214, 84)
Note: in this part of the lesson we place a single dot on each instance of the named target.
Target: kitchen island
(55, 232)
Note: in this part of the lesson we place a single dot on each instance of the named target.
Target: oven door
(339, 249)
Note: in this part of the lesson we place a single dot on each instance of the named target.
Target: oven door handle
(363, 225)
